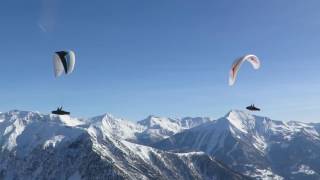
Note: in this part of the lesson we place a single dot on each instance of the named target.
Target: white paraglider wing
(255, 62)
(58, 68)
(63, 62)
(71, 61)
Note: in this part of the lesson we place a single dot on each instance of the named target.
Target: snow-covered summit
(117, 127)
(241, 138)
(241, 120)
(158, 128)
(23, 131)
(174, 125)
(161, 123)
(40, 146)
(191, 122)
(253, 145)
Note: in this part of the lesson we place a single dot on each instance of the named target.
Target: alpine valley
(237, 146)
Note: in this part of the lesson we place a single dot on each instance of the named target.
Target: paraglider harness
(253, 108)
(59, 111)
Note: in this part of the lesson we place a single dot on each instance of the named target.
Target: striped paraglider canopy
(254, 60)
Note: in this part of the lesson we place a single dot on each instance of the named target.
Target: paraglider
(254, 60)
(63, 63)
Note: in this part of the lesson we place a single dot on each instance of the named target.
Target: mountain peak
(107, 116)
(241, 120)
(21, 113)
(155, 121)
(240, 113)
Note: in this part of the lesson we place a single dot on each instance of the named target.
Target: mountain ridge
(38, 146)
(251, 144)
(239, 145)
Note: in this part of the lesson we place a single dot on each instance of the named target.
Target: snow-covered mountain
(37, 146)
(256, 146)
(147, 131)
(159, 128)
(117, 127)
(237, 146)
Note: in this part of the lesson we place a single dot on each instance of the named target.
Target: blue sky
(168, 57)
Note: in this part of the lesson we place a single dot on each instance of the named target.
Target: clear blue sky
(162, 57)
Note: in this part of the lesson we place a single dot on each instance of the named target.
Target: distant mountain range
(237, 146)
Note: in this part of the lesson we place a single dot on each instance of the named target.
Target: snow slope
(159, 128)
(237, 146)
(37, 146)
(147, 131)
(252, 145)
